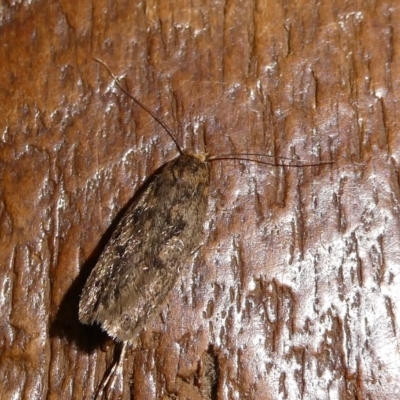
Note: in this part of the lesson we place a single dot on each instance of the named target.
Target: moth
(150, 245)
(142, 260)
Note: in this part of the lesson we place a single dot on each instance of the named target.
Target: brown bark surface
(295, 293)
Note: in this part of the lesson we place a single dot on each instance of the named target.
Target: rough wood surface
(295, 293)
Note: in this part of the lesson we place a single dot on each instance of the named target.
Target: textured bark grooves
(294, 292)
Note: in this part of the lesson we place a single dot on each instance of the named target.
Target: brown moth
(141, 262)
(158, 233)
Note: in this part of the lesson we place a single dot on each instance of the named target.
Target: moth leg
(197, 249)
(112, 385)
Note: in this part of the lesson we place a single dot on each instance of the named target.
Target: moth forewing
(141, 262)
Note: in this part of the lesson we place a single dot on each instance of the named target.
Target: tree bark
(294, 293)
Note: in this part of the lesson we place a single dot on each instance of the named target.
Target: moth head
(203, 157)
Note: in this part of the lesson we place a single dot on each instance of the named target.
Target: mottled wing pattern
(141, 262)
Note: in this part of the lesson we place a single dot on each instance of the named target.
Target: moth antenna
(140, 104)
(241, 156)
(263, 155)
(238, 156)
